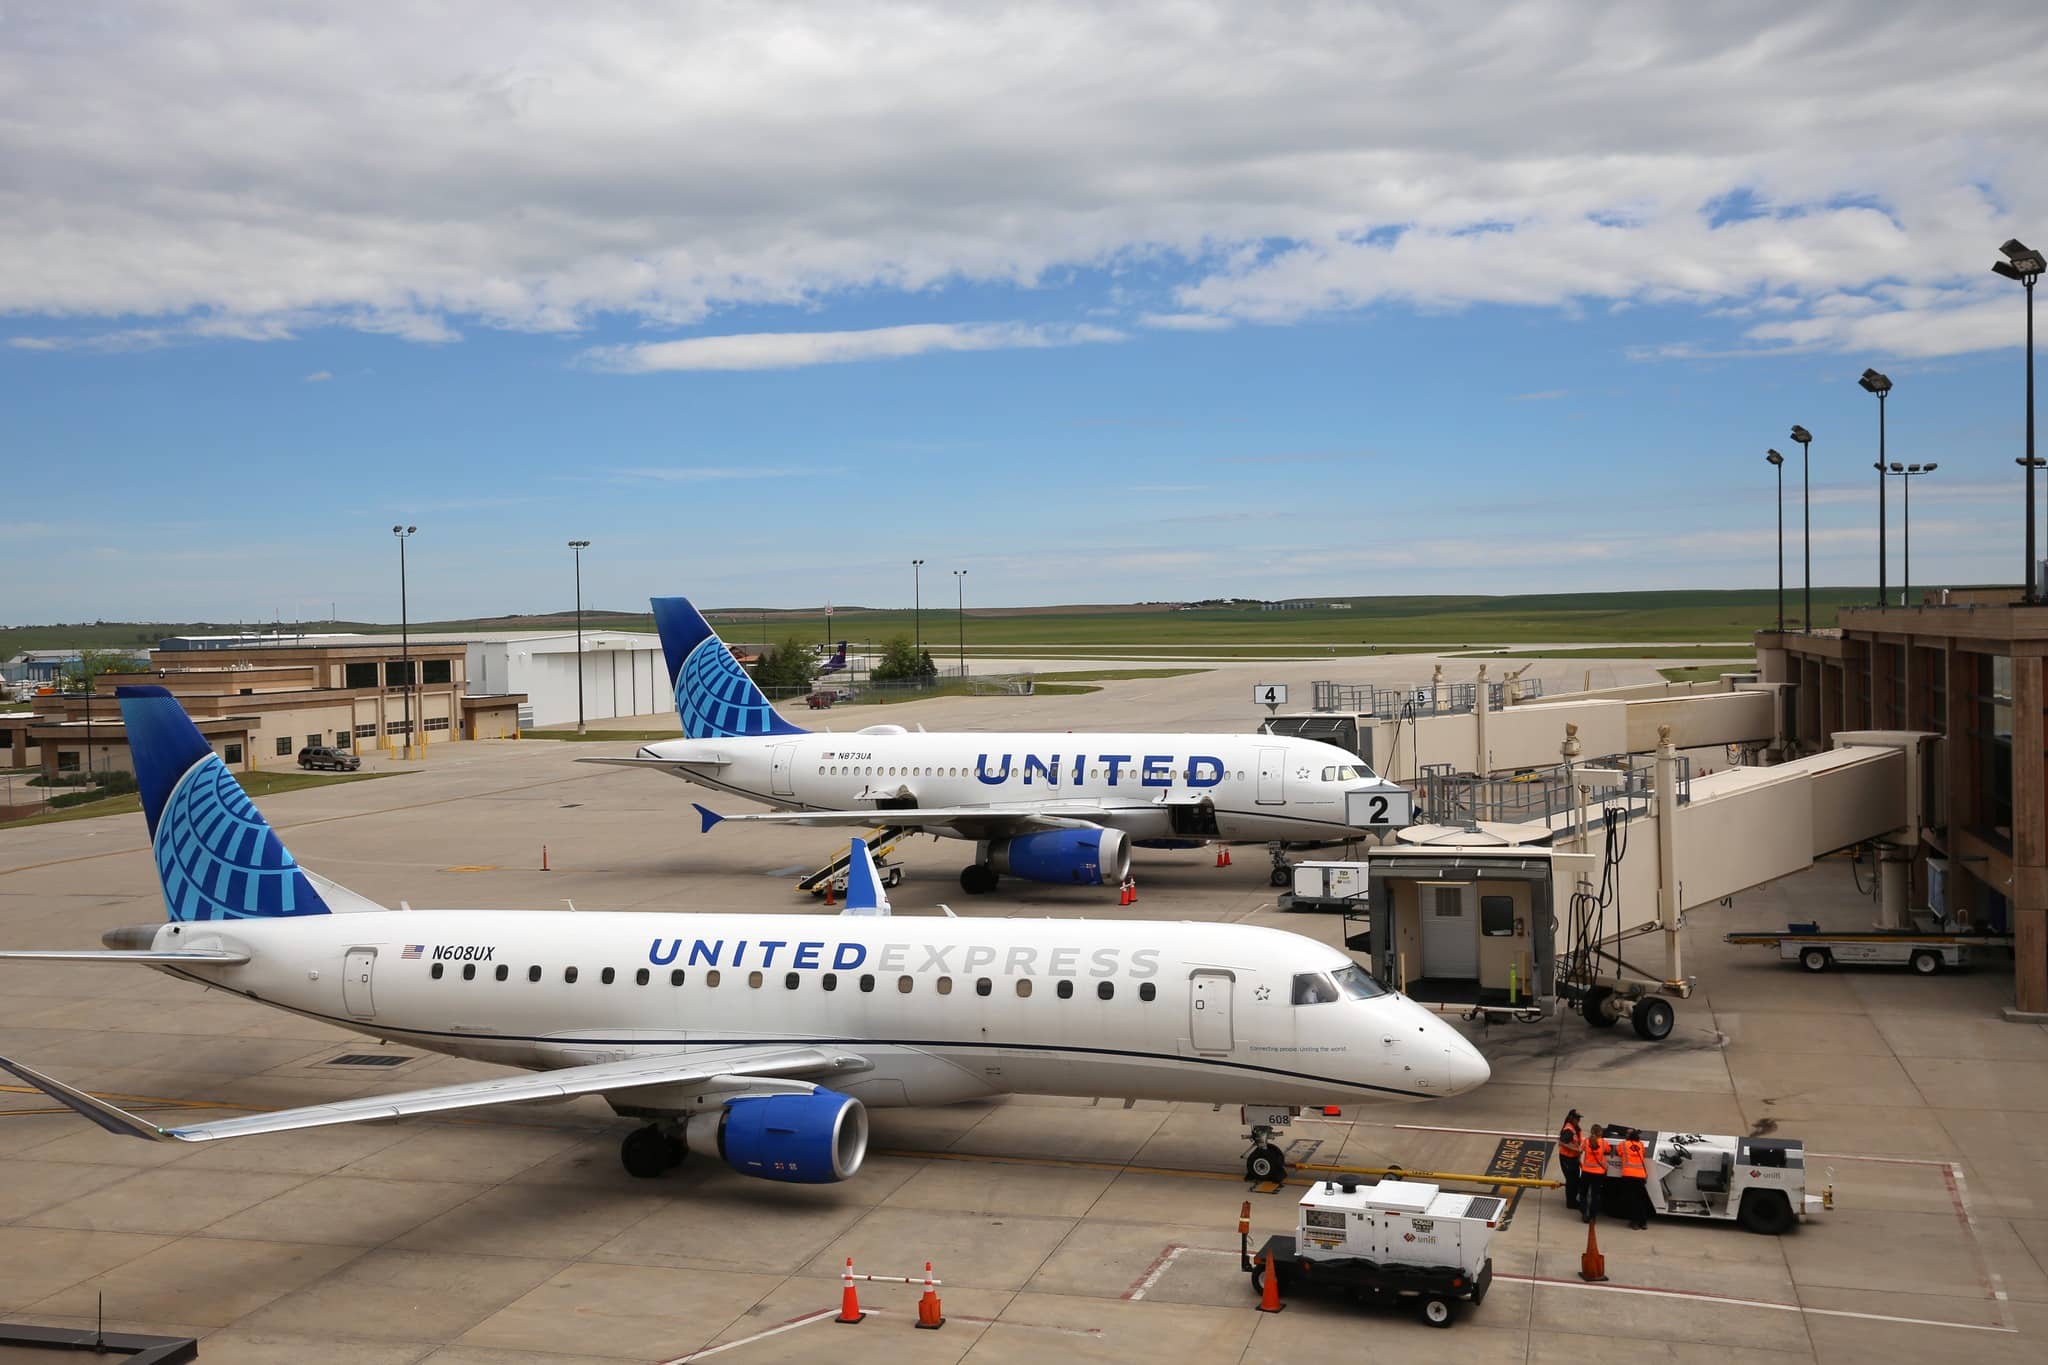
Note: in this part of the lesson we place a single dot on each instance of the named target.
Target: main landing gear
(978, 879)
(651, 1151)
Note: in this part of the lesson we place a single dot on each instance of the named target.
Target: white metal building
(623, 673)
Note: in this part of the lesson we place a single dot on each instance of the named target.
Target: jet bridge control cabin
(1469, 926)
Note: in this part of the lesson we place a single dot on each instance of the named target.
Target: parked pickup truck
(335, 760)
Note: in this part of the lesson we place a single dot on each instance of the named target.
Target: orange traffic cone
(1592, 1265)
(1222, 857)
(849, 1302)
(828, 892)
(543, 857)
(1226, 855)
(929, 1318)
(1123, 892)
(1269, 1295)
(1133, 885)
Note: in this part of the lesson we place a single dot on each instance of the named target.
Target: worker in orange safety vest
(1633, 1194)
(1595, 1160)
(1570, 1143)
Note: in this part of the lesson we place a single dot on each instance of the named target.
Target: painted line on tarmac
(1160, 1265)
(826, 1314)
(1698, 1297)
(1481, 1132)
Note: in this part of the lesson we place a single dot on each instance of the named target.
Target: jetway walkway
(1561, 902)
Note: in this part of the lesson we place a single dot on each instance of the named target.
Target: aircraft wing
(188, 956)
(994, 821)
(668, 765)
(728, 1069)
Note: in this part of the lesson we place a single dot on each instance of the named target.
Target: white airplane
(760, 1038)
(1044, 807)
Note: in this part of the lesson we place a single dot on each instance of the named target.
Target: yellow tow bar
(1513, 1182)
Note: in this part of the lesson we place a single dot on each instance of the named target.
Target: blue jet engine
(1078, 857)
(811, 1139)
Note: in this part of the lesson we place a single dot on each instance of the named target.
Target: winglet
(864, 893)
(98, 1110)
(709, 816)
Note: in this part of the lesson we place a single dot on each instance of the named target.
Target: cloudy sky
(1095, 301)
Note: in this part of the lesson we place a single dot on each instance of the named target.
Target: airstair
(881, 842)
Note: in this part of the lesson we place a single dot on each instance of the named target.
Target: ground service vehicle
(1926, 953)
(1399, 1240)
(1758, 1182)
(335, 760)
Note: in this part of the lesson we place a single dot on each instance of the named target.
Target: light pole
(1777, 462)
(1805, 440)
(404, 533)
(960, 588)
(577, 547)
(1905, 474)
(917, 605)
(1873, 382)
(2025, 264)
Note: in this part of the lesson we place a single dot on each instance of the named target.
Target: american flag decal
(412, 950)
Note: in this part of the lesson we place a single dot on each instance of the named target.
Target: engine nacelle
(1079, 857)
(811, 1139)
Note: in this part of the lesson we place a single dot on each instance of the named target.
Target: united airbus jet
(1043, 807)
(757, 1040)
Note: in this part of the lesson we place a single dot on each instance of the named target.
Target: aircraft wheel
(1280, 878)
(1653, 1020)
(1435, 1310)
(1926, 962)
(648, 1152)
(1266, 1162)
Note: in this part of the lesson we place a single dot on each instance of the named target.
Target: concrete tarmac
(1061, 1229)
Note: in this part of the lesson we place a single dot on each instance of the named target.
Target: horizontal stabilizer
(674, 765)
(781, 1064)
(189, 956)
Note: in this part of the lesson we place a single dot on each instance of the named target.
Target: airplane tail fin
(217, 857)
(864, 892)
(714, 696)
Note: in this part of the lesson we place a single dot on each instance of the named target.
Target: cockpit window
(1313, 988)
(1357, 984)
(1344, 772)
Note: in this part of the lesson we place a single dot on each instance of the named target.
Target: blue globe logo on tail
(714, 696)
(217, 856)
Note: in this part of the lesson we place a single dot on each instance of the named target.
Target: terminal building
(260, 704)
(1967, 670)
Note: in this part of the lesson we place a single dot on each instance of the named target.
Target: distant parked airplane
(723, 1031)
(1043, 807)
(837, 663)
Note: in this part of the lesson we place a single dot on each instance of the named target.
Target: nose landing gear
(1283, 871)
(1265, 1163)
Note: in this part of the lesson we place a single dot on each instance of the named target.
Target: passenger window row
(905, 984)
(1003, 774)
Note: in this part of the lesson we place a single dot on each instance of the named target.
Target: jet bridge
(1581, 899)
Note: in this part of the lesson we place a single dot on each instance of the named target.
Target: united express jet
(1044, 807)
(760, 1040)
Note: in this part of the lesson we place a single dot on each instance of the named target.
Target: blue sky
(768, 310)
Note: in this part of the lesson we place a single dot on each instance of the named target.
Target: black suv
(321, 756)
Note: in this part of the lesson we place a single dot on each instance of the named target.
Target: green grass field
(256, 784)
(1366, 622)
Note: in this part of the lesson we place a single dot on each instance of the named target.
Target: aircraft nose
(1467, 1069)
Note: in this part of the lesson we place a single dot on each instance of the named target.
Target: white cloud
(789, 350)
(711, 473)
(1186, 322)
(237, 169)
(319, 377)
(1541, 396)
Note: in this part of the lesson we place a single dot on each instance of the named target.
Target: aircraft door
(782, 770)
(356, 972)
(1209, 1024)
(1272, 776)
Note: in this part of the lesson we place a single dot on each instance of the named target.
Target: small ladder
(881, 843)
